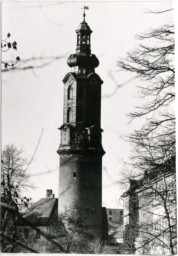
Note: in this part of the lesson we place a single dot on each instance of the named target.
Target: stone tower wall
(80, 186)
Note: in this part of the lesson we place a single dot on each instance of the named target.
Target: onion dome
(83, 60)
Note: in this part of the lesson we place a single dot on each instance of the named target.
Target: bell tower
(80, 150)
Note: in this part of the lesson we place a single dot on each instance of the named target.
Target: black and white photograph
(88, 141)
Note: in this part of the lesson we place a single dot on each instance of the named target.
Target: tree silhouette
(14, 180)
(154, 142)
(18, 64)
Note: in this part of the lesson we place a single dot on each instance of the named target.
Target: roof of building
(84, 27)
(152, 176)
(40, 212)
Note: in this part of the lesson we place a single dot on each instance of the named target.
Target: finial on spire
(84, 14)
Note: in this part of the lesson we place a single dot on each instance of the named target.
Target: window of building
(70, 92)
(88, 39)
(69, 115)
(110, 217)
(78, 39)
(74, 174)
(83, 39)
(110, 212)
(37, 233)
(26, 233)
(121, 213)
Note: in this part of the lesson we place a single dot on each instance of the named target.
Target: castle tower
(80, 150)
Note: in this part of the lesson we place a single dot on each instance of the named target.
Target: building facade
(80, 150)
(150, 212)
(115, 225)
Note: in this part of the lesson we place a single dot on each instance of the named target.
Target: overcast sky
(32, 106)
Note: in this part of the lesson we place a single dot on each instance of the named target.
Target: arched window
(70, 92)
(69, 115)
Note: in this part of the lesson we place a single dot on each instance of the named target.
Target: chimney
(49, 193)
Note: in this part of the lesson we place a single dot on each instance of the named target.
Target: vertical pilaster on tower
(80, 150)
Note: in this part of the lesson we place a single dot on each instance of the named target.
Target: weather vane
(84, 8)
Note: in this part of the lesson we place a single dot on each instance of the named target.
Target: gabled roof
(40, 212)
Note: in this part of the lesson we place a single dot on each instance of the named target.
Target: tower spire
(84, 14)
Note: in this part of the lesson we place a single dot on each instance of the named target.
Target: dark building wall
(104, 225)
(88, 103)
(80, 186)
(30, 239)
